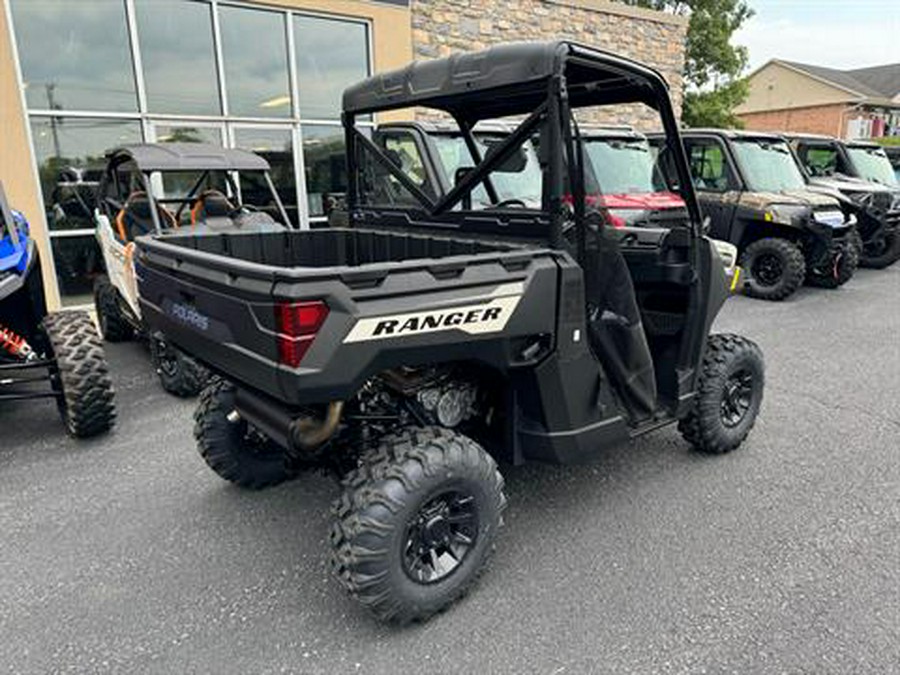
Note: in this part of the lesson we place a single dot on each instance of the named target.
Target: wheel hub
(440, 536)
(737, 397)
(436, 532)
(767, 269)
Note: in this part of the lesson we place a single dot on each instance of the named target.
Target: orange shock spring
(15, 344)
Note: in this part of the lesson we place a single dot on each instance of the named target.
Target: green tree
(713, 66)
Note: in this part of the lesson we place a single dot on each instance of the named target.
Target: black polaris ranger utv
(755, 195)
(862, 175)
(43, 355)
(435, 335)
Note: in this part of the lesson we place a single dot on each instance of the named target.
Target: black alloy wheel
(440, 537)
(767, 269)
(737, 397)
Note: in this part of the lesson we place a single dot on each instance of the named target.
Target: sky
(840, 34)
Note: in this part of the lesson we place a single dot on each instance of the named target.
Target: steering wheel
(243, 208)
(510, 202)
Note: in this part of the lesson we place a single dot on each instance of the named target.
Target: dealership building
(78, 77)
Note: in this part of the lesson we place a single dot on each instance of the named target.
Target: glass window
(254, 53)
(872, 164)
(187, 133)
(70, 157)
(768, 166)
(518, 179)
(325, 167)
(820, 160)
(709, 167)
(75, 55)
(276, 146)
(402, 149)
(623, 165)
(176, 39)
(330, 56)
(78, 262)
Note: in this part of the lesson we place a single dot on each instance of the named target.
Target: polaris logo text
(189, 315)
(474, 319)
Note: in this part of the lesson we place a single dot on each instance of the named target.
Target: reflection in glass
(75, 55)
(254, 54)
(187, 133)
(78, 262)
(330, 56)
(70, 156)
(325, 167)
(177, 53)
(276, 146)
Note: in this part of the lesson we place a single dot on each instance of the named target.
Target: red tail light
(298, 323)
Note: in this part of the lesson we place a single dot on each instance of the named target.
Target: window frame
(148, 120)
(732, 175)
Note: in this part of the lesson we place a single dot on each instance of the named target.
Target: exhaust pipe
(308, 434)
(298, 434)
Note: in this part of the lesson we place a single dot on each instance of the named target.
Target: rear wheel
(178, 373)
(729, 395)
(81, 373)
(775, 268)
(231, 447)
(114, 327)
(842, 269)
(882, 252)
(416, 523)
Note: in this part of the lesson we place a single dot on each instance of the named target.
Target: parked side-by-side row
(505, 284)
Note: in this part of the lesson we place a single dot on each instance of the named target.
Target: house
(790, 96)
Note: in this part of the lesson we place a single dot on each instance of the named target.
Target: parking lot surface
(126, 554)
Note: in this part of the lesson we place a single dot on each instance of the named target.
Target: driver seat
(135, 218)
(211, 204)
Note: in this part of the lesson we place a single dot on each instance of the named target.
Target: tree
(713, 65)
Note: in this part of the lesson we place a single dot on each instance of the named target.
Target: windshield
(872, 164)
(768, 165)
(623, 166)
(519, 178)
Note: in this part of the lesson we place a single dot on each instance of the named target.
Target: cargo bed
(219, 297)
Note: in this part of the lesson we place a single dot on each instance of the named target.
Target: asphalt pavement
(126, 554)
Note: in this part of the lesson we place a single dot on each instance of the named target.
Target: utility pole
(54, 121)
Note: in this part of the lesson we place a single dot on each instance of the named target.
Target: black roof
(803, 136)
(188, 157)
(506, 80)
(618, 131)
(449, 127)
(734, 134)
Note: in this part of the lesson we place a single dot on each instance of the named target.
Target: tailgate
(488, 307)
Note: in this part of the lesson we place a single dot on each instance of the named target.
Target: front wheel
(881, 253)
(416, 523)
(841, 270)
(775, 268)
(81, 374)
(178, 373)
(729, 395)
(234, 450)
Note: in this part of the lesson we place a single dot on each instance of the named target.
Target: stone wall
(442, 27)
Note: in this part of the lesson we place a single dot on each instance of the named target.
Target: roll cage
(144, 160)
(545, 83)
